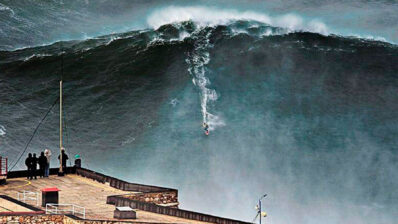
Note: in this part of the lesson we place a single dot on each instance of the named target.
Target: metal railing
(65, 209)
(28, 196)
(3, 166)
(120, 201)
(120, 184)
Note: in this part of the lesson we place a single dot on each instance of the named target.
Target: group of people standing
(43, 161)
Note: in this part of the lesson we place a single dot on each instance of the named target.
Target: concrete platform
(9, 206)
(83, 192)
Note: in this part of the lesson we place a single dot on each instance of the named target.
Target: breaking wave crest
(6, 8)
(205, 16)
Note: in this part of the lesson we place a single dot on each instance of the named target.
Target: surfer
(206, 128)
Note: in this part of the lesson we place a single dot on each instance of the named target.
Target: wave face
(309, 119)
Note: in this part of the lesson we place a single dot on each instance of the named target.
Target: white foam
(197, 61)
(6, 8)
(37, 56)
(208, 16)
(317, 26)
(201, 15)
(367, 37)
(376, 38)
(113, 38)
(214, 121)
(128, 141)
(2, 130)
(174, 102)
(183, 35)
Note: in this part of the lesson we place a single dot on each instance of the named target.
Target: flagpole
(61, 171)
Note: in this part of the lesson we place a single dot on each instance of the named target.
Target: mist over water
(310, 118)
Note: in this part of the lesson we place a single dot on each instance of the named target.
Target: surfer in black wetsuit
(206, 128)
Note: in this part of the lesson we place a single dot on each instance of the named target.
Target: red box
(50, 189)
(49, 195)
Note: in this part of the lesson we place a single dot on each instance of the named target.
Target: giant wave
(309, 118)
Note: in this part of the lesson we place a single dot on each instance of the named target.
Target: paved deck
(83, 192)
(8, 206)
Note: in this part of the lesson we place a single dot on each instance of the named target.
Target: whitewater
(198, 59)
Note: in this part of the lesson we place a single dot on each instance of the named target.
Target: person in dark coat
(78, 161)
(34, 166)
(64, 159)
(28, 163)
(42, 164)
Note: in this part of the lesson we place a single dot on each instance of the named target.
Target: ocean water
(296, 111)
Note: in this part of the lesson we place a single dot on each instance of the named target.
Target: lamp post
(259, 206)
